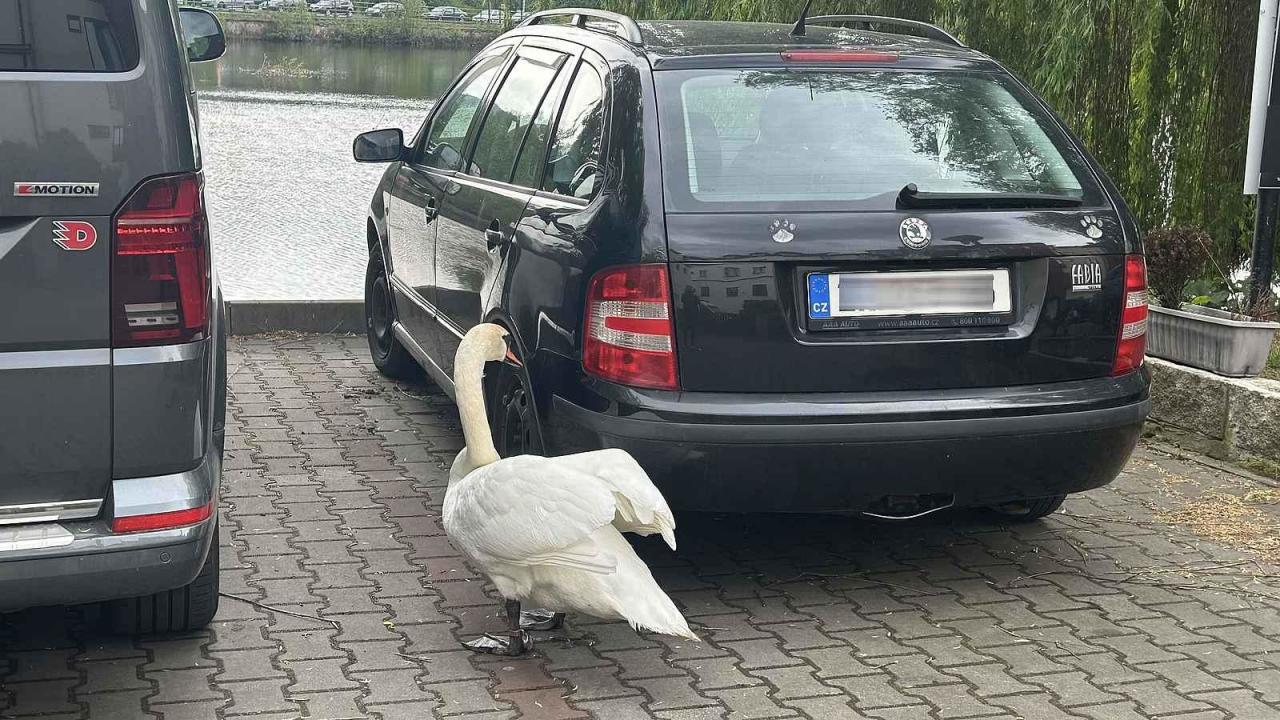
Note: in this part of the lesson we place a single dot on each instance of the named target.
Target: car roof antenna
(800, 28)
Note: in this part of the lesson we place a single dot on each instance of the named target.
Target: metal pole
(1262, 267)
(1262, 65)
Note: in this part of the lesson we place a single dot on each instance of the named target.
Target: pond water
(287, 204)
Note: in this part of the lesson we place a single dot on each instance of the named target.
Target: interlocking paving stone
(331, 493)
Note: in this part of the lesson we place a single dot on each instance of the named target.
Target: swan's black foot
(541, 620)
(514, 645)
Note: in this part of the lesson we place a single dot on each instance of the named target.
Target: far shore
(295, 27)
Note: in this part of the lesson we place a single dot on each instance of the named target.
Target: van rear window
(774, 139)
(67, 36)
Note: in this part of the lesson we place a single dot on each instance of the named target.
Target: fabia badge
(915, 233)
(55, 189)
(783, 231)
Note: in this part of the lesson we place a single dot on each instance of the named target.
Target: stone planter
(1220, 342)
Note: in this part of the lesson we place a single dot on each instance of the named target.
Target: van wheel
(187, 608)
(515, 418)
(1029, 510)
(389, 356)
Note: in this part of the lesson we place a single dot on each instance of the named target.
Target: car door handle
(432, 209)
(493, 236)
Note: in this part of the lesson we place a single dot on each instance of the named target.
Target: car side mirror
(202, 34)
(379, 146)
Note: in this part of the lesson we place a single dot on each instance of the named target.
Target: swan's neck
(468, 380)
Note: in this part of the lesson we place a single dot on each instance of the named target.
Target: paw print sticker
(783, 231)
(1092, 226)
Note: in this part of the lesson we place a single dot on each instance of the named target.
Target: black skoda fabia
(848, 267)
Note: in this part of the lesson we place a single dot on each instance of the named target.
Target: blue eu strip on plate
(819, 296)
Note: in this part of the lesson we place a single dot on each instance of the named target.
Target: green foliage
(1158, 89)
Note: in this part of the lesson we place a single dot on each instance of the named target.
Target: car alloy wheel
(378, 314)
(517, 426)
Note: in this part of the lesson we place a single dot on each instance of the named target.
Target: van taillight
(160, 268)
(629, 336)
(1132, 347)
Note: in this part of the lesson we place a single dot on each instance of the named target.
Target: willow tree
(1157, 89)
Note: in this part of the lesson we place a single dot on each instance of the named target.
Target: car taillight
(160, 268)
(162, 521)
(629, 336)
(1132, 347)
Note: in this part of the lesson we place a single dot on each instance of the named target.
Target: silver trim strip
(426, 307)
(435, 371)
(49, 512)
(158, 354)
(37, 359)
(413, 296)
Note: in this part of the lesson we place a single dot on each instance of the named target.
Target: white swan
(548, 531)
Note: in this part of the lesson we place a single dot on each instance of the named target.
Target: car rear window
(67, 35)
(773, 139)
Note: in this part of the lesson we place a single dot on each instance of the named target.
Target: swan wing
(641, 508)
(530, 511)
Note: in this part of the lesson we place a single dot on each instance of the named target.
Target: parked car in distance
(114, 372)
(853, 272)
(447, 13)
(384, 9)
(489, 16)
(235, 4)
(286, 4)
(519, 16)
(334, 7)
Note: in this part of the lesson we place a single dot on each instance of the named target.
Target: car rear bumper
(846, 453)
(39, 567)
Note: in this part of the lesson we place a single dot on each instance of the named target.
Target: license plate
(909, 294)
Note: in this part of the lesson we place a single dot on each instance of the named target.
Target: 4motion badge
(55, 189)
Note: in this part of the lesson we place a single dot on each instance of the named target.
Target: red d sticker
(74, 234)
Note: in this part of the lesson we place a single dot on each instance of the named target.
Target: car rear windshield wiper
(911, 197)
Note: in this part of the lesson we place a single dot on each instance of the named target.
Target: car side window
(573, 165)
(533, 156)
(448, 134)
(513, 111)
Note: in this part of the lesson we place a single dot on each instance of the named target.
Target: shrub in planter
(1221, 341)
(1175, 257)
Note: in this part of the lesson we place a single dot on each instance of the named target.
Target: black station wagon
(831, 267)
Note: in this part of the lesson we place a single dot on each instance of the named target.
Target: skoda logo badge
(915, 233)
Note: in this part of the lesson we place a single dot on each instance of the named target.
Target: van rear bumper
(98, 564)
(846, 453)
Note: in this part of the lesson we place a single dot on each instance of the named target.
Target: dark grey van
(112, 344)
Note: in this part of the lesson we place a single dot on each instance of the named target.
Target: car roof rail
(628, 29)
(931, 31)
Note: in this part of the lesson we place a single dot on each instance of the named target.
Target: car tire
(514, 417)
(389, 356)
(1029, 510)
(190, 607)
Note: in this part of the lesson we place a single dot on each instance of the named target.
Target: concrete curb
(1241, 417)
(258, 317)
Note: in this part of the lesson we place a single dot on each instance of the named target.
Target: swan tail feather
(637, 597)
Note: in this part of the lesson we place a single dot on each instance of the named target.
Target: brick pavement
(333, 482)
